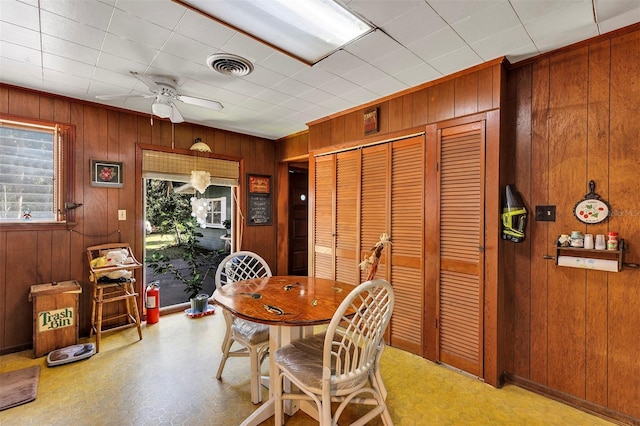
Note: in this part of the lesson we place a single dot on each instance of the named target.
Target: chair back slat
(356, 331)
(241, 265)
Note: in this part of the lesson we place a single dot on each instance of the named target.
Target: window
(33, 182)
(217, 213)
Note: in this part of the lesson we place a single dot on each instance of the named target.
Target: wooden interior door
(298, 221)
(347, 237)
(323, 205)
(461, 238)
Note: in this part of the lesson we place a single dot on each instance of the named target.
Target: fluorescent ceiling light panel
(308, 30)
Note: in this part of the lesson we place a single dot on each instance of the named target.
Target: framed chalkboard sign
(259, 200)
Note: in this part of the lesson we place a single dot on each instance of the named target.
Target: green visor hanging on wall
(514, 216)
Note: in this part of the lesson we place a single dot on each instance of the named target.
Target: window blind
(160, 164)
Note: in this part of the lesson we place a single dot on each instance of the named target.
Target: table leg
(278, 337)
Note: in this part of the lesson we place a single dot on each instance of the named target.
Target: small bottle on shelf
(612, 242)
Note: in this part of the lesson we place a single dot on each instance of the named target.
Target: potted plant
(227, 225)
(198, 267)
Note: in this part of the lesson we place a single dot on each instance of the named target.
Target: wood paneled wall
(461, 94)
(33, 255)
(573, 333)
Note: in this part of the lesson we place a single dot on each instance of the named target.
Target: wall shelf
(602, 260)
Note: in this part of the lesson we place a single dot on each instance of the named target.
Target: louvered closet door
(323, 221)
(374, 202)
(406, 270)
(461, 239)
(347, 208)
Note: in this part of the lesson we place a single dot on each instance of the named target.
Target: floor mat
(19, 386)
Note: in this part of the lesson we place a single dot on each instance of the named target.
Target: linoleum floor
(168, 378)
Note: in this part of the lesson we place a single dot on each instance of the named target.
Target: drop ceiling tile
(547, 43)
(69, 66)
(528, 10)
(93, 13)
(121, 65)
(380, 12)
(187, 48)
(340, 63)
(166, 63)
(20, 53)
(511, 40)
(127, 49)
(279, 110)
(417, 75)
(248, 48)
(611, 20)
(386, 86)
(21, 36)
(397, 61)
(581, 16)
(118, 79)
(21, 14)
(291, 87)
(69, 50)
(66, 29)
(456, 61)
(256, 104)
(373, 46)
(130, 27)
(359, 96)
(522, 53)
(316, 96)
(364, 75)
(338, 86)
(296, 104)
(272, 96)
(486, 22)
(199, 27)
(283, 64)
(313, 76)
(454, 11)
(13, 71)
(166, 14)
(437, 44)
(77, 84)
(263, 76)
(415, 24)
(337, 104)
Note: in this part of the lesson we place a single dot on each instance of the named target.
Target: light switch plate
(122, 215)
(546, 213)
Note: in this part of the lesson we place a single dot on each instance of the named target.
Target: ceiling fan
(163, 89)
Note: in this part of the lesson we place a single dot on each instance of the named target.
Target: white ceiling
(84, 48)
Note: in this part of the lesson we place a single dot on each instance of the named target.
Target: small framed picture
(106, 174)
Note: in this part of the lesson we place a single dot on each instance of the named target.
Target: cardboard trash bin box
(55, 315)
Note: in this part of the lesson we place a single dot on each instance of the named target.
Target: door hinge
(436, 323)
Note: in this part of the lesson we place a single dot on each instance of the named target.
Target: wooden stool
(112, 291)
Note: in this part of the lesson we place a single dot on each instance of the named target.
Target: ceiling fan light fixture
(161, 109)
(229, 64)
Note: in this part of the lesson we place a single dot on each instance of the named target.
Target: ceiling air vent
(228, 64)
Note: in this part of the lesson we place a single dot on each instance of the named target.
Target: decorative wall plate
(592, 209)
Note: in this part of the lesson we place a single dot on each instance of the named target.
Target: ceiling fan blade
(205, 103)
(175, 116)
(146, 80)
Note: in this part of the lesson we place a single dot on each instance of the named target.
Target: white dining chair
(341, 365)
(252, 337)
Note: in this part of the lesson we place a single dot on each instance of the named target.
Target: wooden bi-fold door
(461, 227)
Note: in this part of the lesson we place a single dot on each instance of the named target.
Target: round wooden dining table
(290, 305)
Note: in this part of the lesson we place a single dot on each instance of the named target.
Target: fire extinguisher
(152, 302)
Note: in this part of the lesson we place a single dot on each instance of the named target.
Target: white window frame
(223, 212)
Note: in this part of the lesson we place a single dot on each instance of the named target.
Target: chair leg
(134, 308)
(226, 347)
(279, 408)
(99, 320)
